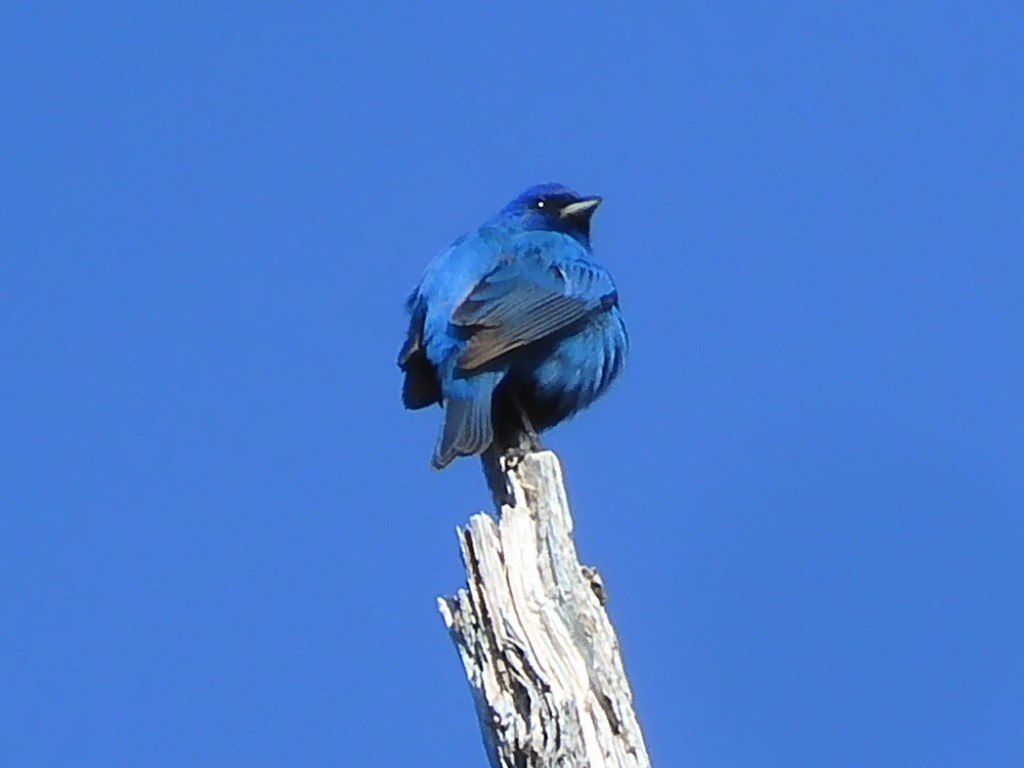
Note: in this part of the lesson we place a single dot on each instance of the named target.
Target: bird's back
(514, 323)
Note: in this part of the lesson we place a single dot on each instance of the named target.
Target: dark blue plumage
(515, 327)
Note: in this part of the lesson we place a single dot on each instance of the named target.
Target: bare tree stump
(540, 653)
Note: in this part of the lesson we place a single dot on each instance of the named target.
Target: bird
(514, 328)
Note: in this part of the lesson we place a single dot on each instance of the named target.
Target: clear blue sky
(220, 537)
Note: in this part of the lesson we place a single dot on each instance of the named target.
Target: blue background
(220, 538)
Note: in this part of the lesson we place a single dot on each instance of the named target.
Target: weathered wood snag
(540, 653)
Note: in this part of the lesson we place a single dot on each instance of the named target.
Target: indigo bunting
(515, 327)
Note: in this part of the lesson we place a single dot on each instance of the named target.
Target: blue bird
(515, 327)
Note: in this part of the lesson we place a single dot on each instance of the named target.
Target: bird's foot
(525, 443)
(514, 455)
(527, 437)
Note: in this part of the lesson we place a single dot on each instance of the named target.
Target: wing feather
(515, 305)
(420, 387)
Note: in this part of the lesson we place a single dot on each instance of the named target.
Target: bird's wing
(420, 388)
(523, 301)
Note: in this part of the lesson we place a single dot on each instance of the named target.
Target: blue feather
(515, 327)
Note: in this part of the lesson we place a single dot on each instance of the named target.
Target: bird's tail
(467, 428)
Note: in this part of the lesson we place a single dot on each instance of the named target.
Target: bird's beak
(580, 208)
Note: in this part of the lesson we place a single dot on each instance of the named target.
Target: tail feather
(467, 429)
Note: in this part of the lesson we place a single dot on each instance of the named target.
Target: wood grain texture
(539, 651)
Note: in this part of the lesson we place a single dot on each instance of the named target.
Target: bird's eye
(539, 204)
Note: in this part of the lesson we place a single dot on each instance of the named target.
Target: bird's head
(554, 207)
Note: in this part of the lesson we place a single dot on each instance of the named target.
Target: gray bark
(540, 653)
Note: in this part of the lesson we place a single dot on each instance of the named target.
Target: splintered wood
(538, 648)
